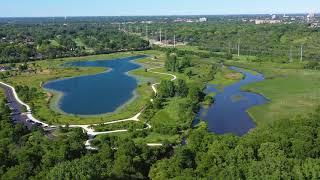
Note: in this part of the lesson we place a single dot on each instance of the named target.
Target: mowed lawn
(291, 89)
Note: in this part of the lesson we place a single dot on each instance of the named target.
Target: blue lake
(99, 93)
(228, 114)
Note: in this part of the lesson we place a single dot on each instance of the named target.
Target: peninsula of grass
(226, 77)
(44, 105)
(291, 89)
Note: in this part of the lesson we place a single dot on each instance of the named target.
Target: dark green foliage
(175, 64)
(23, 67)
(208, 100)
(213, 71)
(312, 65)
(26, 94)
(28, 154)
(20, 43)
(270, 42)
(286, 149)
(195, 94)
(166, 89)
(189, 73)
(182, 88)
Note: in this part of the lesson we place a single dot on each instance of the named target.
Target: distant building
(311, 17)
(273, 17)
(146, 22)
(266, 21)
(285, 16)
(315, 25)
(184, 20)
(244, 20)
(203, 19)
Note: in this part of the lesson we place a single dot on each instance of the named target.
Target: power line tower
(160, 35)
(65, 20)
(238, 47)
(290, 54)
(301, 53)
(147, 31)
(165, 36)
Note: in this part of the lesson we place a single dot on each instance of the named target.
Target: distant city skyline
(49, 8)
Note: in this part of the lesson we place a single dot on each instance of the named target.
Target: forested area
(276, 151)
(286, 149)
(32, 154)
(283, 41)
(20, 43)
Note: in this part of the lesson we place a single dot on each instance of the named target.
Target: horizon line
(160, 15)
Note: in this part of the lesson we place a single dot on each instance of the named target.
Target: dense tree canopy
(266, 41)
(287, 149)
(20, 43)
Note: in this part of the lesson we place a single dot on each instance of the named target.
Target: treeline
(314, 65)
(20, 43)
(200, 54)
(286, 149)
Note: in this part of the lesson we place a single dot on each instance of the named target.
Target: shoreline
(54, 103)
(197, 120)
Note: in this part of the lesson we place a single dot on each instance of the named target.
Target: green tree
(182, 88)
(166, 89)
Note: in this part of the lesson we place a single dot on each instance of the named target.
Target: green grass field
(291, 89)
(226, 77)
(169, 116)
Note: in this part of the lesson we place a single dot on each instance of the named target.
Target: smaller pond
(99, 93)
(229, 114)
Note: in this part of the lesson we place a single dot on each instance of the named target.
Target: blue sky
(35, 8)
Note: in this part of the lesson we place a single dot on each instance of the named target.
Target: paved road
(17, 116)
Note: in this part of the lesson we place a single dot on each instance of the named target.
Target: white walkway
(88, 128)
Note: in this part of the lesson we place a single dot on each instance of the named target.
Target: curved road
(15, 104)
